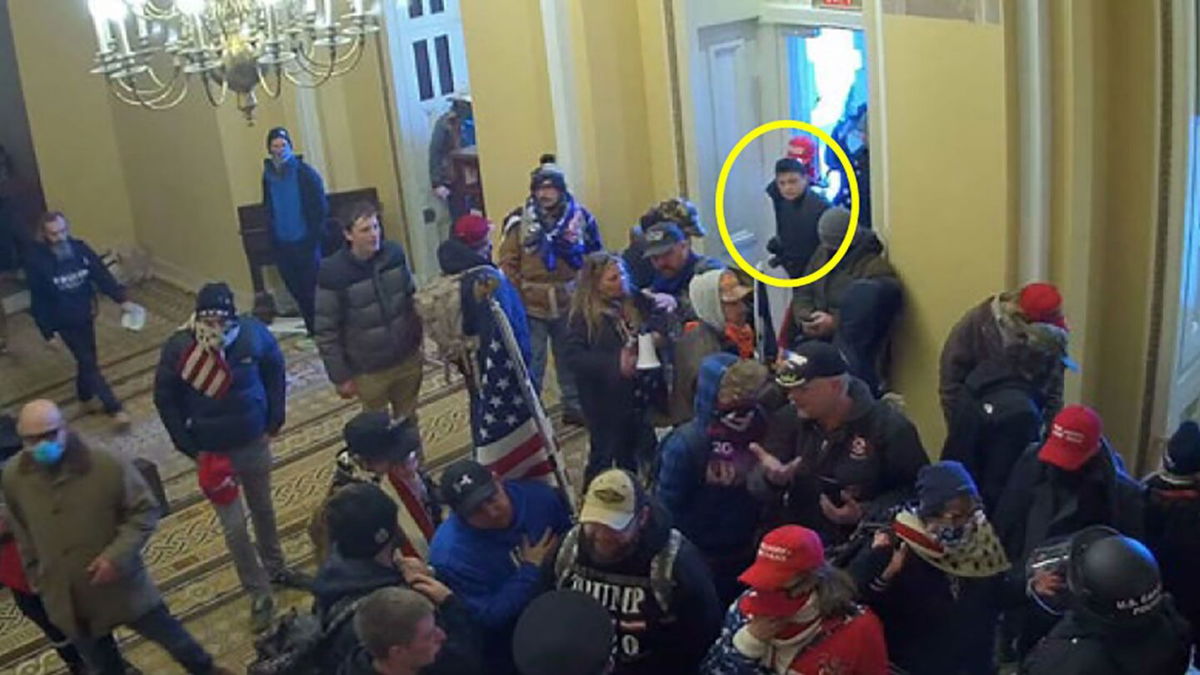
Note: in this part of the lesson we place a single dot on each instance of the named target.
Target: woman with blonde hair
(605, 320)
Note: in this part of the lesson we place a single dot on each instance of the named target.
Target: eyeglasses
(47, 435)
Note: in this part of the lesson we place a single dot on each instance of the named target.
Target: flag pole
(531, 398)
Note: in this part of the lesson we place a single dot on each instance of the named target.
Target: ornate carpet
(187, 555)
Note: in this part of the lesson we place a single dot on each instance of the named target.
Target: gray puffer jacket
(365, 319)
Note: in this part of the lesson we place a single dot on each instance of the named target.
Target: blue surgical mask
(48, 452)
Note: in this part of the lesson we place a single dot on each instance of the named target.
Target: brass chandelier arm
(131, 96)
(128, 86)
(216, 102)
(262, 82)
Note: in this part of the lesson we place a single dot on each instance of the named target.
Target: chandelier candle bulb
(124, 35)
(358, 6)
(100, 23)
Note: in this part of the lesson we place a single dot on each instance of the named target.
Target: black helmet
(1112, 577)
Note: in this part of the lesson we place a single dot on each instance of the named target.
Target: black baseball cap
(810, 361)
(466, 484)
(373, 435)
(661, 237)
(362, 520)
(563, 632)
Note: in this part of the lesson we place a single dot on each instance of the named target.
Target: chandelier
(150, 51)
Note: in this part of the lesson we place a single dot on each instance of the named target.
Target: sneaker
(292, 578)
(262, 613)
(121, 421)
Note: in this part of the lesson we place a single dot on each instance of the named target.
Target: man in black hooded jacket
(797, 209)
(362, 520)
(649, 577)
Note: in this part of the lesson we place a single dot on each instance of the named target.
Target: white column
(1033, 83)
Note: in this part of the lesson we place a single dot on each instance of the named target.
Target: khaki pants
(398, 386)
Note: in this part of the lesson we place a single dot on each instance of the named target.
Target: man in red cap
(1072, 481)
(985, 331)
(460, 329)
(799, 616)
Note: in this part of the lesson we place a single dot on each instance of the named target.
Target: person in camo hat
(706, 464)
(935, 576)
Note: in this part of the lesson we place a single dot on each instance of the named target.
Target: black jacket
(253, 406)
(875, 453)
(1079, 645)
(314, 204)
(62, 292)
(935, 624)
(796, 227)
(674, 646)
(1172, 527)
(998, 416)
(365, 320)
(340, 580)
(1042, 502)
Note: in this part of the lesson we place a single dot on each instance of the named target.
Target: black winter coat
(876, 454)
(796, 227)
(935, 624)
(998, 416)
(253, 406)
(1080, 645)
(1173, 534)
(341, 580)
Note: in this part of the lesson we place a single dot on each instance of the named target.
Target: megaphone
(647, 354)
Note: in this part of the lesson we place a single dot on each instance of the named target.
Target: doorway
(428, 72)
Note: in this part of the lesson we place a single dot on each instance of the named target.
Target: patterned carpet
(187, 555)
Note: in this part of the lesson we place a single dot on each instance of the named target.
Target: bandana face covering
(974, 553)
(203, 364)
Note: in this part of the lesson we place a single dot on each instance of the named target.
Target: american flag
(506, 435)
(206, 370)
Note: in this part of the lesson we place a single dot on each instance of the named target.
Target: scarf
(676, 284)
(565, 238)
(730, 436)
(796, 635)
(978, 555)
(203, 364)
(742, 337)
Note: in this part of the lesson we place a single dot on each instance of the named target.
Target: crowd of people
(751, 504)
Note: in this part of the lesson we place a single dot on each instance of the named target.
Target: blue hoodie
(484, 569)
(716, 518)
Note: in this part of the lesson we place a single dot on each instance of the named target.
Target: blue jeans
(159, 627)
(554, 332)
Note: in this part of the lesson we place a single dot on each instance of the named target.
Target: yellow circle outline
(786, 282)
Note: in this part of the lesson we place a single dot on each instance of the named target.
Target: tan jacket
(546, 294)
(94, 504)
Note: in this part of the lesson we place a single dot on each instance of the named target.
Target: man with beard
(934, 577)
(541, 251)
(669, 250)
(647, 575)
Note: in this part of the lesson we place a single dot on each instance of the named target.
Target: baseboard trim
(191, 282)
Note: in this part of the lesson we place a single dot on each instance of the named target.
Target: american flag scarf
(203, 364)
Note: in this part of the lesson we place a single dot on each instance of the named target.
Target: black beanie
(1183, 450)
(278, 132)
(361, 520)
(563, 633)
(215, 299)
(547, 172)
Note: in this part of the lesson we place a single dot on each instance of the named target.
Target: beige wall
(71, 122)
(947, 219)
(514, 123)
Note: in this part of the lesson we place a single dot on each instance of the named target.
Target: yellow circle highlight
(786, 282)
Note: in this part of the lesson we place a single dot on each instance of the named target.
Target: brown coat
(864, 261)
(980, 335)
(546, 294)
(95, 504)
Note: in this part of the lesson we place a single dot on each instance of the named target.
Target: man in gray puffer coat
(367, 329)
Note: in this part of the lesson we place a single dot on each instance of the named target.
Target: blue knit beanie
(941, 482)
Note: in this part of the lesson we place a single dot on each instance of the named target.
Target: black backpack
(293, 646)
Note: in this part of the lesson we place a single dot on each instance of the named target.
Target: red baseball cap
(772, 603)
(1042, 303)
(214, 472)
(472, 229)
(784, 553)
(1074, 438)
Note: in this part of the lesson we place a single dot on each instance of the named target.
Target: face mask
(282, 158)
(955, 536)
(48, 452)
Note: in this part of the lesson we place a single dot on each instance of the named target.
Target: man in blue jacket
(220, 390)
(63, 274)
(492, 550)
(296, 208)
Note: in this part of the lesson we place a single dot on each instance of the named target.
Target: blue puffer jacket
(253, 406)
(62, 291)
(716, 518)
